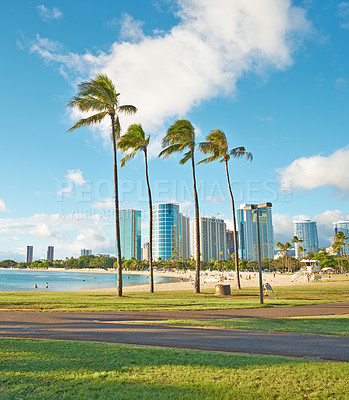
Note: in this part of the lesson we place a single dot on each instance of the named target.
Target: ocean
(24, 280)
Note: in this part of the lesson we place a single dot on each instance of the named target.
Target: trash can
(223, 290)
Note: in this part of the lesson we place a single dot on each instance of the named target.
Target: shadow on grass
(40, 369)
(45, 355)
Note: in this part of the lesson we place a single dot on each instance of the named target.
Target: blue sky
(272, 74)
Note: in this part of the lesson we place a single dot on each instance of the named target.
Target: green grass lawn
(39, 369)
(318, 292)
(337, 325)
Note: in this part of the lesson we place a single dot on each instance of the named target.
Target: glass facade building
(247, 233)
(306, 231)
(344, 227)
(130, 234)
(166, 243)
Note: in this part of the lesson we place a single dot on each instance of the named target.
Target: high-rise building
(145, 253)
(344, 227)
(230, 244)
(213, 240)
(184, 236)
(166, 242)
(306, 231)
(130, 234)
(85, 252)
(29, 257)
(50, 253)
(247, 228)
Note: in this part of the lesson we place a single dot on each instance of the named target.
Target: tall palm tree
(181, 137)
(341, 240)
(100, 96)
(135, 140)
(217, 145)
(297, 242)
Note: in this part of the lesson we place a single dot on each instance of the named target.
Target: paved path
(113, 327)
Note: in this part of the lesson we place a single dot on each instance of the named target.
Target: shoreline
(209, 279)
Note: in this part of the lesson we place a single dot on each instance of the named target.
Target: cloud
(104, 204)
(3, 206)
(48, 14)
(131, 29)
(202, 57)
(68, 232)
(341, 84)
(317, 171)
(74, 177)
(215, 199)
(343, 14)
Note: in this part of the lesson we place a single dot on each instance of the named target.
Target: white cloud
(215, 199)
(67, 232)
(74, 177)
(104, 204)
(341, 84)
(3, 206)
(131, 29)
(48, 14)
(202, 57)
(317, 171)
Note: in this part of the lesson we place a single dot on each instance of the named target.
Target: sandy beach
(209, 279)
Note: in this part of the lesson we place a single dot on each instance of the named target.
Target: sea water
(23, 280)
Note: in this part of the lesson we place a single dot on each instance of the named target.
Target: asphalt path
(116, 328)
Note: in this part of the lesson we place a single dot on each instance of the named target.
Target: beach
(209, 279)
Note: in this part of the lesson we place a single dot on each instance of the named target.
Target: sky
(272, 74)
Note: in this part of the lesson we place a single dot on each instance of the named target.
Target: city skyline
(284, 95)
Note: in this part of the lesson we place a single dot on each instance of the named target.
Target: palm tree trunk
(197, 228)
(235, 230)
(150, 226)
(117, 221)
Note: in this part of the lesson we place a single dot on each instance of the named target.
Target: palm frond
(92, 120)
(239, 152)
(127, 109)
(170, 150)
(100, 87)
(208, 159)
(127, 157)
(187, 157)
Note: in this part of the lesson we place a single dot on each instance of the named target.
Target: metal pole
(259, 260)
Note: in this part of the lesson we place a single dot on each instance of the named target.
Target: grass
(337, 325)
(318, 292)
(39, 369)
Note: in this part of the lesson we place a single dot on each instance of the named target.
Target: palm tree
(217, 145)
(341, 240)
(135, 140)
(288, 247)
(100, 96)
(297, 242)
(181, 137)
